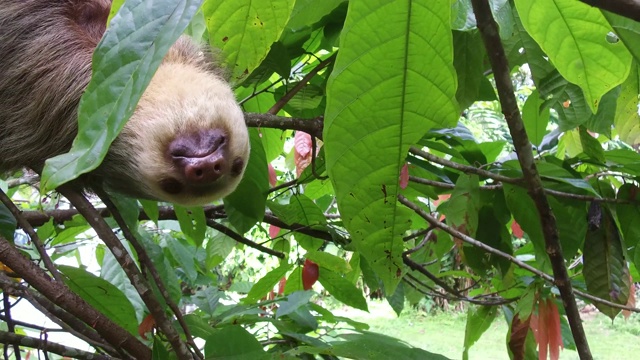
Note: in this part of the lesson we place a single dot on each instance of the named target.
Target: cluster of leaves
(414, 191)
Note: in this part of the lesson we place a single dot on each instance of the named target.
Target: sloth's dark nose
(201, 156)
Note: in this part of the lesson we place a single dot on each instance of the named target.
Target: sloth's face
(186, 143)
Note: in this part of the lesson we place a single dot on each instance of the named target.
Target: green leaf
(532, 54)
(244, 30)
(628, 215)
(184, 256)
(293, 302)
(113, 273)
(160, 352)
(468, 59)
(525, 213)
(266, 284)
(246, 205)
(627, 121)
(372, 346)
(7, 223)
(371, 121)
(102, 295)
(627, 30)
(478, 321)
(193, 223)
(150, 208)
(123, 64)
(571, 220)
(605, 268)
(574, 37)
(233, 342)
(535, 117)
(396, 301)
(341, 289)
(462, 208)
(591, 146)
(329, 261)
(304, 213)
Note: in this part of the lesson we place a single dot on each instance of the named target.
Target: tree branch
(501, 71)
(24, 224)
(44, 345)
(61, 295)
(627, 8)
(143, 257)
(312, 127)
(237, 237)
(128, 264)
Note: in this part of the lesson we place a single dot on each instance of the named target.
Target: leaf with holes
(574, 36)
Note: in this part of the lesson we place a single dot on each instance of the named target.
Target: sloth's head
(186, 142)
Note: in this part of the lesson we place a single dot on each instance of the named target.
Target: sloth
(185, 143)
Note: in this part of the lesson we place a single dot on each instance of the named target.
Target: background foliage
(381, 166)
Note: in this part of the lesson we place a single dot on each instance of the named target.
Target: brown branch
(143, 257)
(627, 8)
(501, 71)
(65, 320)
(44, 345)
(312, 127)
(61, 295)
(129, 266)
(26, 226)
(300, 85)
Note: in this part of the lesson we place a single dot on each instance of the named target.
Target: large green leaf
(102, 295)
(574, 36)
(468, 60)
(535, 117)
(605, 268)
(342, 289)
(626, 120)
(123, 65)
(233, 342)
(7, 223)
(245, 206)
(266, 284)
(245, 30)
(393, 81)
(372, 346)
(478, 321)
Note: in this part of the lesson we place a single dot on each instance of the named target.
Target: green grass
(443, 333)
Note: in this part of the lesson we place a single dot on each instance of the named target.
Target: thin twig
(300, 85)
(235, 236)
(464, 168)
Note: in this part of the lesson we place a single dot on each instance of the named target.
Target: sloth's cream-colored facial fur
(186, 142)
(187, 136)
